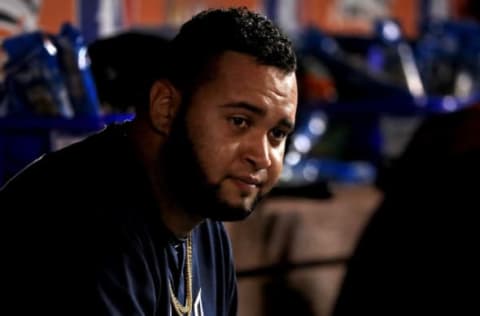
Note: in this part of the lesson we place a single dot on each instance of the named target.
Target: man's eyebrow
(286, 123)
(247, 106)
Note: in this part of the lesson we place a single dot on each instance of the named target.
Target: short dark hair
(213, 32)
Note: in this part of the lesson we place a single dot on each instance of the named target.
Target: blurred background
(387, 88)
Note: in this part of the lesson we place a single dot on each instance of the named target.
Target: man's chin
(228, 213)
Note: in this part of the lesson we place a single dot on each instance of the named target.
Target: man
(127, 222)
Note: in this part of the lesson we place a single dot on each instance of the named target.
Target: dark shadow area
(417, 255)
(282, 299)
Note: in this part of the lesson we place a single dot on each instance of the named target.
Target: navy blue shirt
(81, 234)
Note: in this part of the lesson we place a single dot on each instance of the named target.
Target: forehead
(237, 77)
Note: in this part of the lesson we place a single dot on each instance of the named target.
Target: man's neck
(148, 146)
(177, 220)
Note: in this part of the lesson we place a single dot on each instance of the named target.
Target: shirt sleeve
(233, 294)
(231, 278)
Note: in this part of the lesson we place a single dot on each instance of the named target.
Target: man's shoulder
(213, 228)
(78, 161)
(215, 239)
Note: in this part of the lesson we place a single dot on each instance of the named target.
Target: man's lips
(247, 183)
(249, 180)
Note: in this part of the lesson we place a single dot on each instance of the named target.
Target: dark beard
(187, 182)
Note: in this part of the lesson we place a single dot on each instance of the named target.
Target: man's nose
(258, 152)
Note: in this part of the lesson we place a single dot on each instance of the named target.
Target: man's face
(236, 125)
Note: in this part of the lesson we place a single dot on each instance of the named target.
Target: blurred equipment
(48, 75)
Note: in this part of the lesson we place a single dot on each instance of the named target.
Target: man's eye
(278, 134)
(239, 121)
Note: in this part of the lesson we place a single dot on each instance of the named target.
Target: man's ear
(164, 103)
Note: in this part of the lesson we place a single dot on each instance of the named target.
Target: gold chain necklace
(187, 308)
